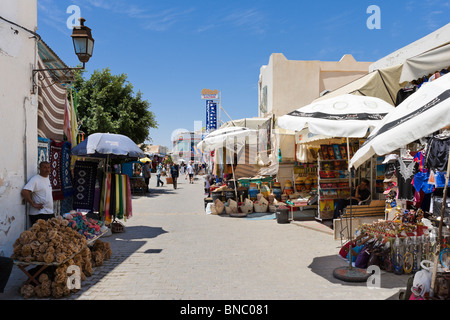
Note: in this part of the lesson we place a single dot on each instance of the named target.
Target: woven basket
(247, 207)
(231, 206)
(117, 227)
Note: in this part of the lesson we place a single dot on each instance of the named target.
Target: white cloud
(249, 20)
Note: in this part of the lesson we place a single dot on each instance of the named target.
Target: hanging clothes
(422, 175)
(405, 171)
(437, 154)
(404, 93)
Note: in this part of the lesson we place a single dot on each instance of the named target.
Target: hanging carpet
(55, 169)
(85, 175)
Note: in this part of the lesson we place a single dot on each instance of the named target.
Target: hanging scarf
(129, 206)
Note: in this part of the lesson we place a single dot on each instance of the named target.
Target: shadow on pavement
(123, 245)
(154, 192)
(137, 232)
(324, 267)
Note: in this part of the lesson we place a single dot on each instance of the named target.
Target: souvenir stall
(114, 195)
(51, 247)
(234, 197)
(414, 237)
(345, 116)
(133, 169)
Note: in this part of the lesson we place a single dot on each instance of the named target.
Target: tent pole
(351, 215)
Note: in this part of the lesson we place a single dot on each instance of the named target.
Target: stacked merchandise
(88, 227)
(408, 242)
(54, 247)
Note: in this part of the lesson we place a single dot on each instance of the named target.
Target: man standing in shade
(38, 193)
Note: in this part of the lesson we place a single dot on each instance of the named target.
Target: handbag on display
(437, 206)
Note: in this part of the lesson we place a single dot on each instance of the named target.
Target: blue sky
(172, 49)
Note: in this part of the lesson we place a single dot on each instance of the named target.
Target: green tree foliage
(107, 103)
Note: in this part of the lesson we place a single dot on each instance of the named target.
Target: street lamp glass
(83, 42)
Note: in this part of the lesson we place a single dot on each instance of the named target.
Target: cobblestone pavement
(171, 249)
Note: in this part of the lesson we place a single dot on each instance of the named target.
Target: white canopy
(251, 123)
(424, 112)
(428, 62)
(347, 115)
(225, 137)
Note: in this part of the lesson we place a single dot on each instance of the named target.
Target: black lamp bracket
(51, 73)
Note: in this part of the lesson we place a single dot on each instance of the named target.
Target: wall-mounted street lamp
(83, 44)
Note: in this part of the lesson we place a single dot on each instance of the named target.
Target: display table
(306, 212)
(22, 265)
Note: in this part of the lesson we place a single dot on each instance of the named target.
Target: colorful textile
(129, 206)
(112, 203)
(67, 124)
(117, 192)
(43, 150)
(108, 216)
(85, 175)
(55, 166)
(51, 106)
(66, 179)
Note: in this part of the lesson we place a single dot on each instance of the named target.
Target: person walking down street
(147, 174)
(190, 172)
(174, 172)
(159, 169)
(38, 193)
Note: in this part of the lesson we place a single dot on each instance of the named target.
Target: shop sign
(208, 94)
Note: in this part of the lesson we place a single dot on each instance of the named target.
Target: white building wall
(430, 41)
(18, 115)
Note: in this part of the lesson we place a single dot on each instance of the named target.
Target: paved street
(172, 250)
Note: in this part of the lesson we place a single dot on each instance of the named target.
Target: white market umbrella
(104, 145)
(347, 115)
(232, 138)
(226, 138)
(424, 112)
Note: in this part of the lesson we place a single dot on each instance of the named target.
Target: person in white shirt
(190, 172)
(38, 193)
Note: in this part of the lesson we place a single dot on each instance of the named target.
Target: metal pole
(351, 216)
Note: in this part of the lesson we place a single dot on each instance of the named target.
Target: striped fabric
(246, 167)
(51, 107)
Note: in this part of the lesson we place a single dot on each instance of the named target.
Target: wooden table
(301, 206)
(22, 265)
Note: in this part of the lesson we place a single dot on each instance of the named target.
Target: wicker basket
(117, 227)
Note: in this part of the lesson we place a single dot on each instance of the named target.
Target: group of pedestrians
(173, 169)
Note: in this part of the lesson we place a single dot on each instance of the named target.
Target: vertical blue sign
(211, 115)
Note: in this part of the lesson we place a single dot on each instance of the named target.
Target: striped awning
(51, 106)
